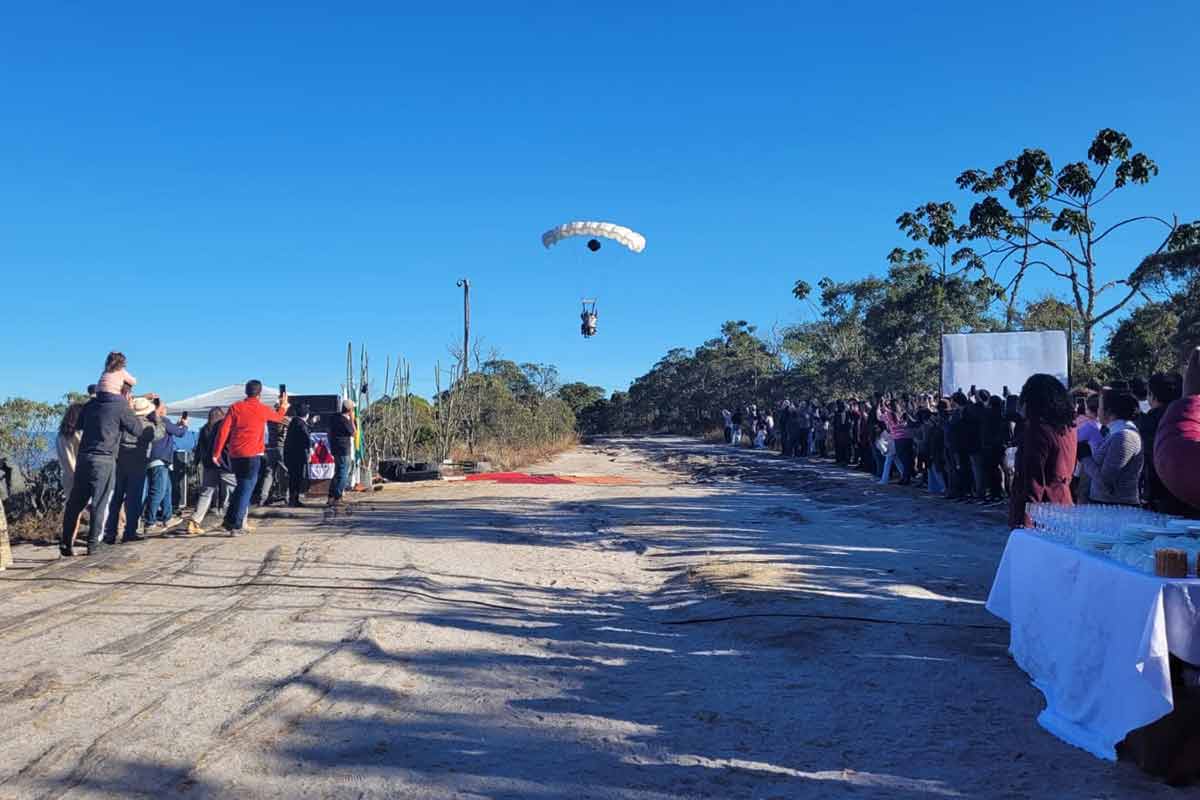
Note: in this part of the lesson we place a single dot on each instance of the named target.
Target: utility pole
(466, 355)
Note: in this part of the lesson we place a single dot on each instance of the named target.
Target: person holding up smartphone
(159, 509)
(243, 429)
(275, 465)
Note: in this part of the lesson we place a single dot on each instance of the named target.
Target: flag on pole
(358, 452)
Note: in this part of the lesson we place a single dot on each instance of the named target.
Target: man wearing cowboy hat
(129, 480)
(104, 421)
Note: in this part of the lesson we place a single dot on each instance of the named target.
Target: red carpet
(524, 477)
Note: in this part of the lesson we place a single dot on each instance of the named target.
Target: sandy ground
(479, 640)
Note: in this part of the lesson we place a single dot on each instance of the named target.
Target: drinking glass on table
(1037, 514)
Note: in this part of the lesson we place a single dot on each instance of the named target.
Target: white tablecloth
(1094, 636)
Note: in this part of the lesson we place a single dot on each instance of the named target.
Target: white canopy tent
(199, 406)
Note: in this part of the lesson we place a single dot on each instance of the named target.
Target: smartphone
(283, 388)
(184, 415)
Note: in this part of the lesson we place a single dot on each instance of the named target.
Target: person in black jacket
(216, 477)
(935, 445)
(129, 476)
(274, 469)
(855, 417)
(972, 442)
(341, 447)
(841, 433)
(958, 456)
(295, 455)
(104, 419)
(993, 441)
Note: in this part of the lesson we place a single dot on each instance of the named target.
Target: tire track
(281, 706)
(48, 616)
(83, 760)
(149, 644)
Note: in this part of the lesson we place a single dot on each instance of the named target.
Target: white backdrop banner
(994, 360)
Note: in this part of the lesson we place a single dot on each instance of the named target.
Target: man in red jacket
(243, 428)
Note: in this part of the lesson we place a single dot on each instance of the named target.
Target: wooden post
(466, 354)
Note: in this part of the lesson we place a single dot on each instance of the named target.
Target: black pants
(964, 476)
(296, 480)
(93, 481)
(841, 447)
(274, 473)
(906, 455)
(993, 479)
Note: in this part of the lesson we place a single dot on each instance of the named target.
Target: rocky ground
(731, 625)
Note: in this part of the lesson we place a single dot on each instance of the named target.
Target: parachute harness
(588, 317)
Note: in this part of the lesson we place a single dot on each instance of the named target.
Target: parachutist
(594, 230)
(588, 318)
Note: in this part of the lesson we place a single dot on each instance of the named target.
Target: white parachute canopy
(608, 230)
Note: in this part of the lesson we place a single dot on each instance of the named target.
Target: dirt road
(730, 626)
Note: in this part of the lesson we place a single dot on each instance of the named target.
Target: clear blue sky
(226, 193)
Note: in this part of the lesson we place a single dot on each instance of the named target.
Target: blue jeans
(246, 472)
(937, 484)
(159, 496)
(888, 461)
(341, 475)
(129, 488)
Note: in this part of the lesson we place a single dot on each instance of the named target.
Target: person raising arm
(243, 429)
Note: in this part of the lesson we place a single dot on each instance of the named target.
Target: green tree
(1176, 272)
(686, 389)
(934, 225)
(1054, 223)
(1142, 344)
(1049, 313)
(580, 395)
(1187, 334)
(512, 376)
(542, 377)
(27, 430)
(830, 353)
(885, 333)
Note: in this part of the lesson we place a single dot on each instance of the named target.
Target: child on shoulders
(115, 375)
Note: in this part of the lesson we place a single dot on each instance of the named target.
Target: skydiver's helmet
(588, 326)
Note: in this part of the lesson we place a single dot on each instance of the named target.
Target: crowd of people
(117, 454)
(1133, 442)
